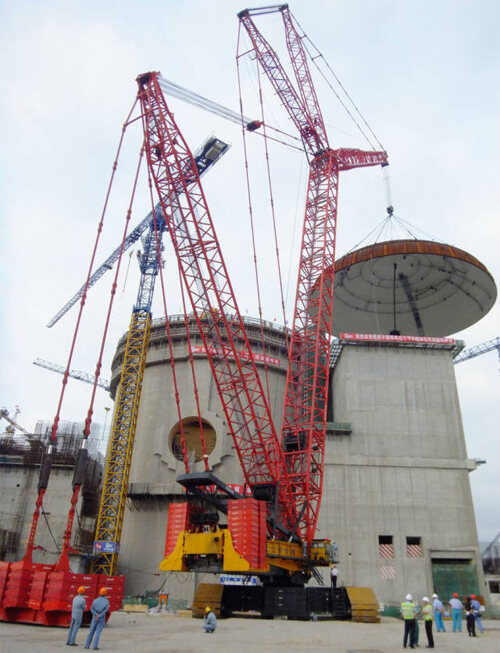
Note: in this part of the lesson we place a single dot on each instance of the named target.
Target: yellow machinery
(214, 550)
(119, 459)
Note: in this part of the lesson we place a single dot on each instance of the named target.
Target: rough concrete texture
(182, 634)
(403, 472)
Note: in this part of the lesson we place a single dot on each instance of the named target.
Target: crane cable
(273, 212)
(320, 56)
(193, 375)
(251, 218)
(167, 330)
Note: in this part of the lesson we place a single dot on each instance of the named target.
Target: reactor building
(396, 496)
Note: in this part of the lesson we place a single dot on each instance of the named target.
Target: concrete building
(157, 459)
(20, 458)
(396, 498)
(397, 495)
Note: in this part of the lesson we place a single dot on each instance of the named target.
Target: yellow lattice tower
(119, 459)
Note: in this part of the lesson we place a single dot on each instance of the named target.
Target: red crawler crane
(175, 177)
(304, 423)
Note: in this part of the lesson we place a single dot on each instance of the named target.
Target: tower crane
(478, 350)
(204, 157)
(75, 374)
(12, 421)
(119, 460)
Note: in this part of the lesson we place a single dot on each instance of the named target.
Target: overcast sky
(424, 74)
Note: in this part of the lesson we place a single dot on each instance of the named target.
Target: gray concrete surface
(182, 634)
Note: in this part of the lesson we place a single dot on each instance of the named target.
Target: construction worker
(427, 615)
(408, 614)
(334, 574)
(209, 620)
(438, 613)
(99, 608)
(477, 613)
(470, 618)
(456, 613)
(77, 609)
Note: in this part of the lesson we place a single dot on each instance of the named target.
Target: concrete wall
(402, 472)
(155, 468)
(18, 491)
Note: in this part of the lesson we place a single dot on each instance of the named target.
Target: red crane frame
(212, 298)
(304, 421)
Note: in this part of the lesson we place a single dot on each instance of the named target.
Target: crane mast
(212, 298)
(304, 421)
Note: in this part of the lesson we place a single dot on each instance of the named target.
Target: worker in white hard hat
(334, 574)
(209, 620)
(438, 614)
(408, 612)
(427, 614)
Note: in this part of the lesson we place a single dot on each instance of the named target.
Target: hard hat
(455, 596)
(208, 609)
(425, 599)
(103, 591)
(473, 596)
(81, 590)
(409, 597)
(434, 596)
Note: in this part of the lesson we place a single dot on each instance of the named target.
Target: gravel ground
(182, 634)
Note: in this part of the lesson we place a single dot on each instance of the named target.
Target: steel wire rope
(253, 72)
(50, 530)
(319, 55)
(294, 231)
(126, 273)
(167, 324)
(193, 374)
(196, 100)
(251, 218)
(273, 212)
(55, 424)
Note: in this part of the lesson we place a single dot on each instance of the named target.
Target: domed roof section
(416, 287)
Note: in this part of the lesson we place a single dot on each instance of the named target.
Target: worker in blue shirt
(477, 613)
(438, 613)
(456, 613)
(78, 608)
(209, 620)
(99, 608)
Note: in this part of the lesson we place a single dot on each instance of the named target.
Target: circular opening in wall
(192, 437)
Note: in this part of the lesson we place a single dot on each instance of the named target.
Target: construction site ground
(180, 633)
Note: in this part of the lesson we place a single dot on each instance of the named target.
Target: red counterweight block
(115, 586)
(178, 520)
(60, 589)
(18, 587)
(247, 524)
(4, 574)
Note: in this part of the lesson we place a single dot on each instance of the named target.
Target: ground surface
(181, 634)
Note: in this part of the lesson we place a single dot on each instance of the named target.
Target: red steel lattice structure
(304, 422)
(205, 276)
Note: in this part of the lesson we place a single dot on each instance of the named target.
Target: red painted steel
(38, 594)
(405, 247)
(246, 520)
(212, 298)
(304, 421)
(177, 521)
